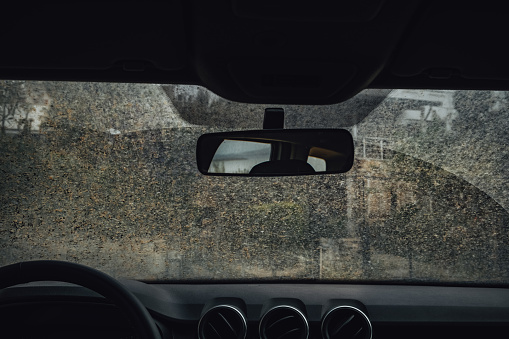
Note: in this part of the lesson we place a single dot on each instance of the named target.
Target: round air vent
(284, 322)
(222, 322)
(346, 322)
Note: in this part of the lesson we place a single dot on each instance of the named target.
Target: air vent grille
(346, 322)
(284, 322)
(222, 322)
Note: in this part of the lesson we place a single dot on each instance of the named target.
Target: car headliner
(284, 52)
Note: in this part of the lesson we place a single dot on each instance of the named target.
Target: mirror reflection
(239, 156)
(275, 152)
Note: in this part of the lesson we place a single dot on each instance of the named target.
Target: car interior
(264, 52)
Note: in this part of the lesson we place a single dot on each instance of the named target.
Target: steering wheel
(111, 289)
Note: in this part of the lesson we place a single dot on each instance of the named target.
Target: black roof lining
(399, 44)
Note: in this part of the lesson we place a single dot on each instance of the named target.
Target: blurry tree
(450, 223)
(12, 102)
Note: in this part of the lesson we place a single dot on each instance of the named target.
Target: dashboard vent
(284, 322)
(346, 322)
(222, 322)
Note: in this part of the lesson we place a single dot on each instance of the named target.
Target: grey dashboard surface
(384, 303)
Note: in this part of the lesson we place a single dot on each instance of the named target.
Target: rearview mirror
(275, 152)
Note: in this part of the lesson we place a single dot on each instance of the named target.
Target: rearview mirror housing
(278, 152)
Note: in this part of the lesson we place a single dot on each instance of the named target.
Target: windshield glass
(105, 175)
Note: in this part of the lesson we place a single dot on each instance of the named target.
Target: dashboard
(208, 311)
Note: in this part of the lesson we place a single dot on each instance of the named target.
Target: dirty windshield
(105, 175)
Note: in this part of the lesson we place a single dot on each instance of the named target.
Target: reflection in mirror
(275, 152)
(239, 156)
(318, 164)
